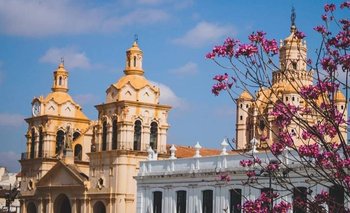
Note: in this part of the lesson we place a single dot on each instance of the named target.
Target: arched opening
(62, 204)
(134, 61)
(76, 135)
(31, 208)
(59, 140)
(60, 81)
(137, 135)
(99, 207)
(32, 145)
(153, 142)
(41, 138)
(78, 152)
(115, 134)
(104, 136)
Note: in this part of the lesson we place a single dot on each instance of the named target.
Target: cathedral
(253, 110)
(74, 164)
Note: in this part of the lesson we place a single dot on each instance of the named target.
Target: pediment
(61, 175)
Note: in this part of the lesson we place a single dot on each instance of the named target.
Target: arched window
(76, 135)
(41, 141)
(336, 199)
(32, 145)
(60, 81)
(99, 207)
(134, 61)
(154, 136)
(137, 135)
(78, 152)
(115, 134)
(104, 136)
(59, 140)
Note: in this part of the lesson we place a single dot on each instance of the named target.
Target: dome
(136, 81)
(289, 89)
(339, 97)
(245, 95)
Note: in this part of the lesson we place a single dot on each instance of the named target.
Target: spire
(134, 59)
(60, 80)
(292, 19)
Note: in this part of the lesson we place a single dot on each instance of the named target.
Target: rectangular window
(207, 202)
(269, 193)
(336, 199)
(157, 202)
(235, 200)
(299, 200)
(181, 202)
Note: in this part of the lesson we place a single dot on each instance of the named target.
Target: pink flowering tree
(304, 136)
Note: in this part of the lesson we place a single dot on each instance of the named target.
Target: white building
(7, 181)
(194, 185)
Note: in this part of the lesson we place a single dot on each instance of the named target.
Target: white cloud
(13, 120)
(189, 68)
(37, 18)
(10, 161)
(72, 57)
(204, 33)
(167, 96)
(84, 99)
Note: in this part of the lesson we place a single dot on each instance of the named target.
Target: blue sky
(92, 36)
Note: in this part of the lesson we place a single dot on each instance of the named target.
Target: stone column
(23, 207)
(109, 136)
(74, 205)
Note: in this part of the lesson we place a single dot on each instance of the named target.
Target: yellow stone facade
(253, 119)
(73, 164)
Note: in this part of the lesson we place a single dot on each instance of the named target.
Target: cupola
(134, 60)
(60, 80)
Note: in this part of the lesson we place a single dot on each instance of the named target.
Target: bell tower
(293, 60)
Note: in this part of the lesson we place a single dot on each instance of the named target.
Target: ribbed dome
(245, 95)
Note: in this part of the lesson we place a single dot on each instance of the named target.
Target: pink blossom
(329, 7)
(246, 50)
(257, 37)
(345, 4)
(321, 29)
(299, 35)
(282, 207)
(324, 17)
(270, 46)
(309, 150)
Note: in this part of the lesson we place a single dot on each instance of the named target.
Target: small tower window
(154, 136)
(115, 134)
(137, 135)
(294, 64)
(341, 107)
(241, 117)
(293, 98)
(129, 62)
(41, 141)
(247, 106)
(134, 61)
(104, 136)
(32, 145)
(286, 98)
(241, 105)
(60, 81)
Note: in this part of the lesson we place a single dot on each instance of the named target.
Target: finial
(293, 16)
(62, 60)
(136, 38)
